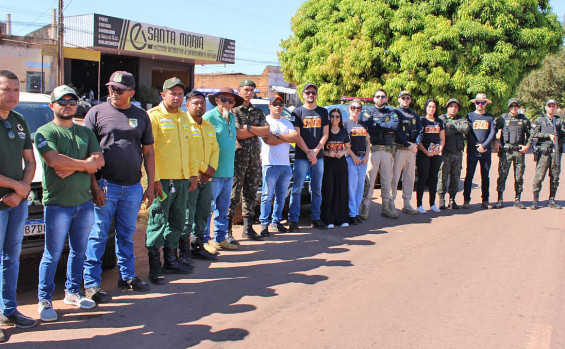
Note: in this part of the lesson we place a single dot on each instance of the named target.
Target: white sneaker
(78, 300)
(46, 311)
(421, 209)
(344, 225)
(331, 226)
(435, 209)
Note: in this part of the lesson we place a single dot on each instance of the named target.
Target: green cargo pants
(199, 206)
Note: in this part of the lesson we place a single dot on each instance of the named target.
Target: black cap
(404, 93)
(121, 79)
(310, 85)
(195, 93)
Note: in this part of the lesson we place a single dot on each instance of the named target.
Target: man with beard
(125, 136)
(224, 124)
(69, 154)
(176, 172)
(456, 129)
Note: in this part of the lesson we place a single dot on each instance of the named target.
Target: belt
(359, 154)
(401, 147)
(511, 148)
(377, 147)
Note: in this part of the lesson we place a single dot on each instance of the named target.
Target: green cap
(172, 82)
(247, 82)
(61, 91)
(512, 101)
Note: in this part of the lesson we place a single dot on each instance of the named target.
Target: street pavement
(457, 279)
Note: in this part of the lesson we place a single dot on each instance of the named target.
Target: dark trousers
(474, 157)
(428, 169)
(335, 197)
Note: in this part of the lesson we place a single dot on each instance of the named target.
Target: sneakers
(344, 225)
(331, 226)
(20, 320)
(265, 231)
(281, 228)
(46, 311)
(318, 224)
(421, 209)
(97, 294)
(353, 220)
(435, 209)
(293, 227)
(76, 298)
(133, 284)
(225, 245)
(466, 204)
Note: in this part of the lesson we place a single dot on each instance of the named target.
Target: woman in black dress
(335, 209)
(428, 160)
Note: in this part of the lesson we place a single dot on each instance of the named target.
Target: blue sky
(257, 26)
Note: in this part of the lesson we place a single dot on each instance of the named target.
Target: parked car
(35, 108)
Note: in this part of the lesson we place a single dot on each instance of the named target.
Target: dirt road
(458, 279)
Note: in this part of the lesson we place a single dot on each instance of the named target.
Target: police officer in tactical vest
(549, 130)
(512, 147)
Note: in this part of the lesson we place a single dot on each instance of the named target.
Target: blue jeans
(221, 195)
(122, 203)
(484, 160)
(356, 175)
(301, 168)
(60, 221)
(276, 179)
(12, 222)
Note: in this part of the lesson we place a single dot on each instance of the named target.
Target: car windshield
(36, 114)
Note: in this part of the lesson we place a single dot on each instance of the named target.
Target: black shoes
(155, 270)
(265, 231)
(97, 294)
(293, 227)
(453, 205)
(184, 253)
(318, 224)
(133, 284)
(281, 228)
(20, 320)
(198, 251)
(248, 232)
(486, 205)
(353, 221)
(171, 264)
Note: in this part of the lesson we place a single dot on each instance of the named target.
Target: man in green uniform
(70, 153)
(514, 143)
(15, 180)
(549, 130)
(250, 123)
(456, 129)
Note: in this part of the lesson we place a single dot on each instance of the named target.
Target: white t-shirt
(276, 154)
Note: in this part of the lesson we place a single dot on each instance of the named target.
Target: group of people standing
(199, 164)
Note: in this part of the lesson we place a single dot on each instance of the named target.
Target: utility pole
(60, 45)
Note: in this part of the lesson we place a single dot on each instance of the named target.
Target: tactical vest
(514, 130)
(408, 125)
(379, 136)
(547, 127)
(454, 142)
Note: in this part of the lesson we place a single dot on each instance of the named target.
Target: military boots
(408, 208)
(393, 208)
(155, 271)
(171, 264)
(535, 202)
(248, 232)
(499, 202)
(364, 211)
(442, 202)
(452, 204)
(518, 203)
(185, 256)
(552, 203)
(386, 210)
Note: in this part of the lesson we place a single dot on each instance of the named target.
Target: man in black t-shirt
(126, 138)
(312, 124)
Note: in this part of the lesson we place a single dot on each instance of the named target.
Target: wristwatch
(247, 127)
(277, 135)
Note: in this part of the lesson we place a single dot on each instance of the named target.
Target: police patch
(20, 127)
(22, 135)
(42, 144)
(132, 122)
(118, 78)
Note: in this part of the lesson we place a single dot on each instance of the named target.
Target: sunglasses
(118, 91)
(480, 103)
(277, 104)
(406, 98)
(514, 106)
(335, 116)
(64, 102)
(380, 96)
(356, 108)
(311, 93)
(227, 100)
(8, 126)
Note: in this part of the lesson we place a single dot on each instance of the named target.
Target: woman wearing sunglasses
(357, 159)
(334, 184)
(428, 159)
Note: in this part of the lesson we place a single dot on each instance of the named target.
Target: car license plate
(36, 227)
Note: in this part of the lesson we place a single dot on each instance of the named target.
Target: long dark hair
(340, 117)
(431, 100)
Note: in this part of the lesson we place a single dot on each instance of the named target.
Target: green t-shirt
(14, 138)
(77, 142)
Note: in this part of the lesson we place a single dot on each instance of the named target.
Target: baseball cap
(512, 101)
(121, 79)
(549, 101)
(194, 93)
(172, 82)
(247, 82)
(273, 99)
(404, 93)
(61, 91)
(310, 85)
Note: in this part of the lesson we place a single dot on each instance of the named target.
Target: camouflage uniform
(247, 174)
(456, 129)
(547, 156)
(515, 132)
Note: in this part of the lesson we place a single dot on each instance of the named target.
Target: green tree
(544, 83)
(436, 48)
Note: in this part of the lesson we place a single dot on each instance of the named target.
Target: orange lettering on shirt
(481, 125)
